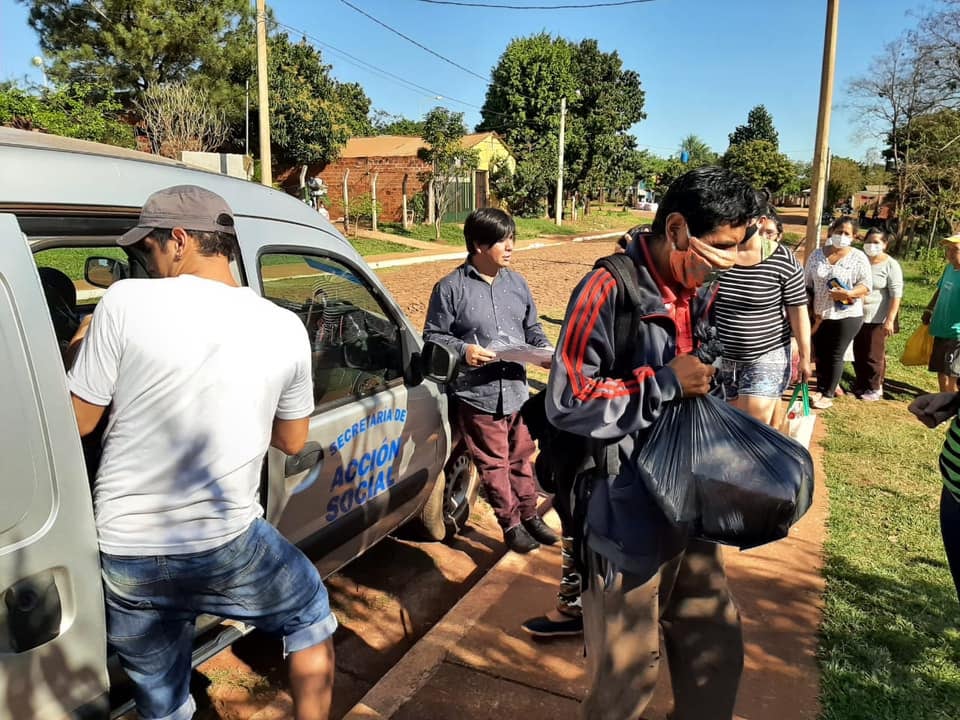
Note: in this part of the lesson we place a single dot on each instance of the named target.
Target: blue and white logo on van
(377, 417)
(362, 480)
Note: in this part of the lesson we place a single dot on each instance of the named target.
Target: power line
(386, 74)
(370, 67)
(411, 40)
(579, 6)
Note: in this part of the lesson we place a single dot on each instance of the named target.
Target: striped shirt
(750, 306)
(950, 459)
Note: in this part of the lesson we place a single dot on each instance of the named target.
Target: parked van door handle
(309, 457)
(33, 611)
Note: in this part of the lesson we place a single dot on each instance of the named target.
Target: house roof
(401, 145)
(382, 146)
(473, 139)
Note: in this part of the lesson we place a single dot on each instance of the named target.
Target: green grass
(367, 247)
(71, 260)
(607, 219)
(890, 644)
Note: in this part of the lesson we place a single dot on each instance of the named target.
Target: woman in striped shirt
(932, 410)
(760, 304)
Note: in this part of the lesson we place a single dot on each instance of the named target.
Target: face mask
(840, 241)
(873, 249)
(693, 266)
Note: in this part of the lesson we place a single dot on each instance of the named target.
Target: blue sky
(703, 63)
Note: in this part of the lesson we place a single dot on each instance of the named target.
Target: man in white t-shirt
(200, 376)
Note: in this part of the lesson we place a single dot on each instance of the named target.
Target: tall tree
(759, 127)
(443, 132)
(312, 115)
(846, 178)
(131, 45)
(523, 104)
(893, 92)
(759, 162)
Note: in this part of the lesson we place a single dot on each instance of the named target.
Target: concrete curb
(422, 661)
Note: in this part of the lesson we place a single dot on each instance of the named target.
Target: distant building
(395, 161)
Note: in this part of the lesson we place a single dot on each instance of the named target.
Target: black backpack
(566, 461)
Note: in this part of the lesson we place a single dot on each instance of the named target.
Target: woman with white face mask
(839, 277)
(880, 309)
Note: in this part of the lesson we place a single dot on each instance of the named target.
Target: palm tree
(698, 152)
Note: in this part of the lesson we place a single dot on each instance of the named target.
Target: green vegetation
(890, 640)
(77, 112)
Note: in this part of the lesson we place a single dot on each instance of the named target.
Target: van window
(356, 344)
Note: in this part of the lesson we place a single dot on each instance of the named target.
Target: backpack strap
(626, 323)
(627, 314)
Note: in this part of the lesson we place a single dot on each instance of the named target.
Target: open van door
(53, 654)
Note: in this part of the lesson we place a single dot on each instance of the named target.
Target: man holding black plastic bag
(645, 572)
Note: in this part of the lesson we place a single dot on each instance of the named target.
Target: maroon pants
(501, 448)
(870, 357)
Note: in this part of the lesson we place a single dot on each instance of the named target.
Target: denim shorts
(767, 376)
(153, 601)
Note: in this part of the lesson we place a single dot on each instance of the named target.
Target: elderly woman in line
(839, 277)
(880, 310)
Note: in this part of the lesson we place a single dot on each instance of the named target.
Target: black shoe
(544, 627)
(519, 540)
(539, 530)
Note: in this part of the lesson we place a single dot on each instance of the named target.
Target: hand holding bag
(799, 421)
(919, 347)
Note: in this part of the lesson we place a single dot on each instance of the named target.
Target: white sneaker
(822, 403)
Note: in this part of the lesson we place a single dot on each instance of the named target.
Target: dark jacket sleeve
(579, 398)
(441, 315)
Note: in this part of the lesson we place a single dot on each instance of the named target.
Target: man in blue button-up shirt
(480, 302)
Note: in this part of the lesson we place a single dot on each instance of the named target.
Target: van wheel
(459, 493)
(447, 508)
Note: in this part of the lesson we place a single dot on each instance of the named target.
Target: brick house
(394, 161)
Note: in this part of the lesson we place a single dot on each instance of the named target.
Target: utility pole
(266, 173)
(246, 118)
(559, 201)
(821, 154)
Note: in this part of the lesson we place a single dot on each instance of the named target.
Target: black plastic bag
(735, 480)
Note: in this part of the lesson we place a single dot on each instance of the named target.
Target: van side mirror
(438, 362)
(102, 272)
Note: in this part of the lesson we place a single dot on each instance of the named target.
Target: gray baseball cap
(185, 206)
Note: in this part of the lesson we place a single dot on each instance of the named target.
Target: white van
(379, 438)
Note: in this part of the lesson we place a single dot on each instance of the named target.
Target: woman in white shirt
(839, 277)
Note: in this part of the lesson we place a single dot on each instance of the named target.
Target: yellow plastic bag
(919, 347)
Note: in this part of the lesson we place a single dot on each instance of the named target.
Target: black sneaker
(519, 540)
(540, 531)
(544, 627)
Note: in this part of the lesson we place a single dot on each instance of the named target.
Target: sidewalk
(476, 664)
(439, 252)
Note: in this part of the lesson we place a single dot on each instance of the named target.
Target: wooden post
(266, 168)
(403, 202)
(821, 155)
(346, 202)
(373, 200)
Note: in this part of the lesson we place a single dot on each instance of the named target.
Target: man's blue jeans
(153, 602)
